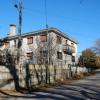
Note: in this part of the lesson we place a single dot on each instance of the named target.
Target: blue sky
(80, 21)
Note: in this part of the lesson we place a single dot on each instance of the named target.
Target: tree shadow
(27, 79)
(65, 92)
(44, 95)
(11, 66)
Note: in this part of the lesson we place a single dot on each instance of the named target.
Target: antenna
(46, 18)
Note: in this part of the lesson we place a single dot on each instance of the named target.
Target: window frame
(59, 39)
(72, 44)
(66, 42)
(7, 44)
(43, 38)
(59, 55)
(30, 40)
(44, 54)
(73, 58)
(29, 55)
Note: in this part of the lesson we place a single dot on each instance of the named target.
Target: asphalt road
(85, 89)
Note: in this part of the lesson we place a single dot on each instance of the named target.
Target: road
(85, 89)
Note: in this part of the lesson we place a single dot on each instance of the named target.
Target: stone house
(43, 46)
(36, 50)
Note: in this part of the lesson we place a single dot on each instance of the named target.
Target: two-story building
(43, 46)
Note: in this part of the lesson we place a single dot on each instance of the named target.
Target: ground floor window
(59, 55)
(44, 54)
(30, 55)
(73, 58)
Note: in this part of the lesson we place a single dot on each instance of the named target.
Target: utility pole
(19, 39)
(20, 18)
(46, 14)
(20, 24)
(48, 34)
(19, 8)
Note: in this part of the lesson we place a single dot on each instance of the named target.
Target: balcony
(68, 49)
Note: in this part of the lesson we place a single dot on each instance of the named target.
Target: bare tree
(96, 48)
(43, 54)
(11, 58)
(9, 62)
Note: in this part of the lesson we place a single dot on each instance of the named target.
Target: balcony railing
(68, 49)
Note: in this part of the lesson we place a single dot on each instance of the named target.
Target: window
(59, 55)
(15, 43)
(72, 44)
(19, 44)
(72, 47)
(44, 38)
(44, 54)
(59, 40)
(73, 58)
(7, 44)
(66, 41)
(30, 55)
(30, 40)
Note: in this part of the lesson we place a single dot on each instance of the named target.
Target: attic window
(30, 40)
(44, 38)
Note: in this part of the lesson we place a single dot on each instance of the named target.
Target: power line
(13, 2)
(16, 1)
(81, 1)
(45, 11)
(32, 11)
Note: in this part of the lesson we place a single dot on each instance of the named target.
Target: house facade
(43, 46)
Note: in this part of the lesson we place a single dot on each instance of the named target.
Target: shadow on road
(86, 89)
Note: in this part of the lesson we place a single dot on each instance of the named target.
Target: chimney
(12, 30)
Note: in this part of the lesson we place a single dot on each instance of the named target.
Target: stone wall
(30, 75)
(6, 79)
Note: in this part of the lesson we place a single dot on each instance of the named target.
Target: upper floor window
(59, 55)
(44, 38)
(72, 44)
(59, 40)
(66, 41)
(7, 44)
(30, 55)
(30, 40)
(19, 42)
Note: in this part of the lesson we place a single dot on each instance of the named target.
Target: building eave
(52, 29)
